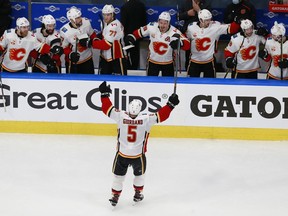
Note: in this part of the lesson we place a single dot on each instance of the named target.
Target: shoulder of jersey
(236, 35)
(9, 30)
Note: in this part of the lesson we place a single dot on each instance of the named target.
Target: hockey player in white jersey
(78, 58)
(163, 40)
(204, 36)
(112, 56)
(17, 45)
(241, 54)
(276, 51)
(47, 34)
(133, 132)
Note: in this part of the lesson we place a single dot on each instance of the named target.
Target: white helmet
(165, 16)
(246, 24)
(48, 20)
(204, 15)
(73, 13)
(22, 22)
(278, 29)
(134, 107)
(108, 9)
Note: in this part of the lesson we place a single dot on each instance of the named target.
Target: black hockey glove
(262, 32)
(85, 42)
(263, 54)
(129, 39)
(173, 101)
(46, 59)
(174, 41)
(230, 63)
(74, 57)
(105, 89)
(100, 36)
(52, 68)
(57, 50)
(283, 64)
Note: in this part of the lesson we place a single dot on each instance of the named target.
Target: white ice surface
(59, 175)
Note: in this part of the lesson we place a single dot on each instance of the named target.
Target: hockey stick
(1, 83)
(75, 63)
(235, 59)
(177, 65)
(281, 55)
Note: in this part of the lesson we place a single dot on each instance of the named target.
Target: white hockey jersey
(17, 49)
(133, 133)
(40, 37)
(113, 33)
(69, 35)
(204, 40)
(246, 55)
(274, 49)
(159, 50)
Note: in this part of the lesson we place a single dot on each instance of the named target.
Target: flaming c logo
(160, 47)
(17, 54)
(202, 44)
(277, 58)
(248, 53)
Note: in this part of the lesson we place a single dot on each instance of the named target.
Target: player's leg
(153, 69)
(120, 166)
(139, 168)
(194, 69)
(120, 66)
(209, 70)
(167, 70)
(86, 67)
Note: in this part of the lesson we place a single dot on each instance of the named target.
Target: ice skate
(114, 200)
(138, 196)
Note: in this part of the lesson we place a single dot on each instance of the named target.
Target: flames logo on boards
(38, 18)
(172, 12)
(247, 53)
(260, 24)
(151, 11)
(160, 47)
(18, 7)
(62, 19)
(202, 44)
(17, 54)
(270, 15)
(117, 10)
(94, 10)
(277, 58)
(216, 13)
(52, 8)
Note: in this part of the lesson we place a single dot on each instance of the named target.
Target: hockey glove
(174, 41)
(52, 68)
(262, 32)
(100, 36)
(283, 64)
(263, 54)
(46, 59)
(85, 42)
(129, 39)
(105, 89)
(57, 50)
(230, 63)
(173, 101)
(74, 57)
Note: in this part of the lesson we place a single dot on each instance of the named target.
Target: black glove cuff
(105, 94)
(171, 105)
